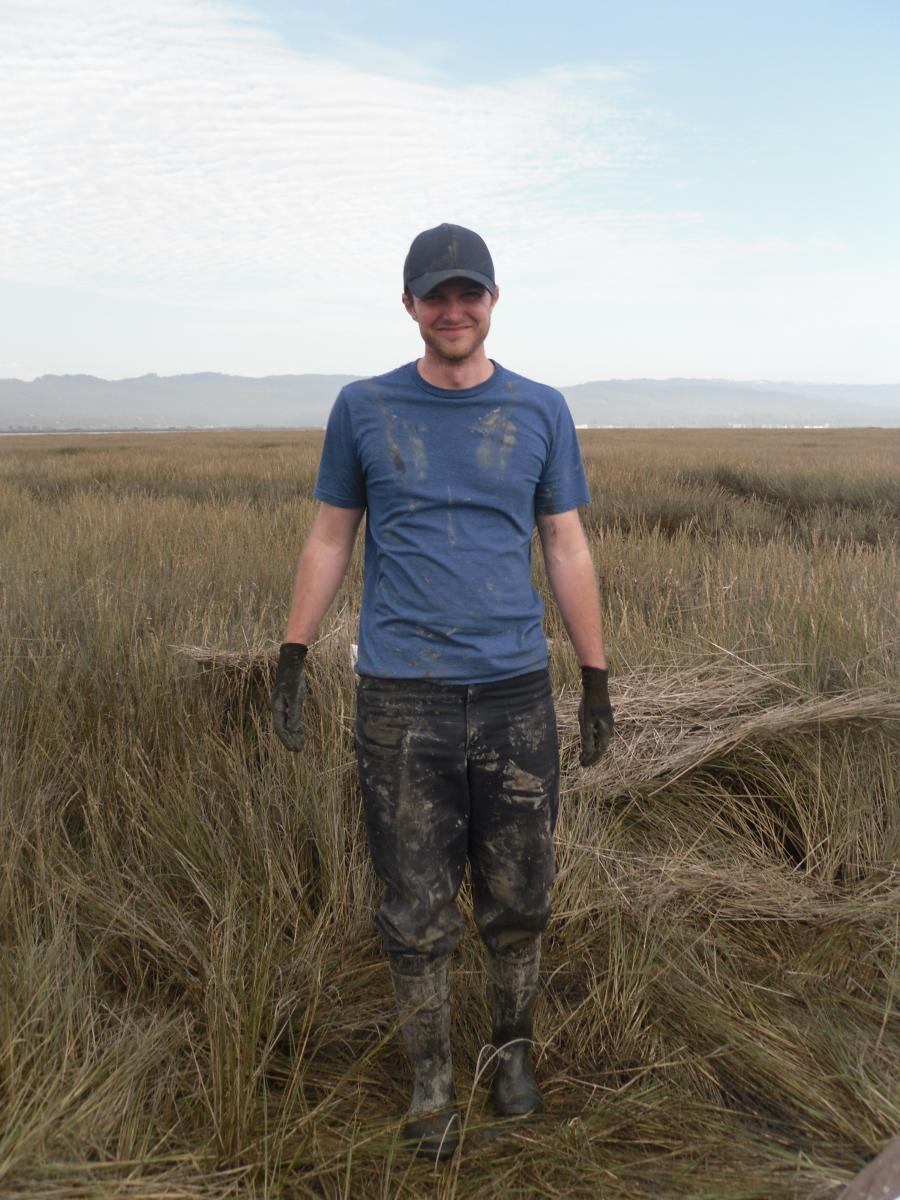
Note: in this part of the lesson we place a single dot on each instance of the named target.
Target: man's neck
(455, 376)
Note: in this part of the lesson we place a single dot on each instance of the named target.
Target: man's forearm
(574, 586)
(320, 572)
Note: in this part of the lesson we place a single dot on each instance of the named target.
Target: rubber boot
(512, 986)
(422, 989)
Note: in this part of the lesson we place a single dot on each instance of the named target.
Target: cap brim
(424, 283)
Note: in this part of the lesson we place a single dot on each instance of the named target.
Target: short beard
(455, 356)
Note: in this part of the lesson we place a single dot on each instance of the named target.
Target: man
(454, 458)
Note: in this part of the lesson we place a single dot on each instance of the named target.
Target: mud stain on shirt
(451, 528)
(498, 436)
(389, 425)
(417, 450)
(405, 444)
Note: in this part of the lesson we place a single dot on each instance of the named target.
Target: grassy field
(193, 999)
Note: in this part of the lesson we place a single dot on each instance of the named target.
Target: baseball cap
(447, 252)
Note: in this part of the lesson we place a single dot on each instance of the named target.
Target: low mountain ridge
(213, 400)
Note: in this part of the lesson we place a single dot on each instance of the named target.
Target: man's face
(453, 318)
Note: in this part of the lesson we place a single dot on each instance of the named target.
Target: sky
(704, 189)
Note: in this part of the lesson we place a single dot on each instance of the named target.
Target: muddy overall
(451, 772)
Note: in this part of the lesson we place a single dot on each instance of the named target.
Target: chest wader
(450, 774)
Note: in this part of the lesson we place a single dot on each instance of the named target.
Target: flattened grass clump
(193, 1000)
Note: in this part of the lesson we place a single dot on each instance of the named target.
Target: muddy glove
(286, 700)
(595, 716)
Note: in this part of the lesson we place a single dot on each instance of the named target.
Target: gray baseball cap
(447, 252)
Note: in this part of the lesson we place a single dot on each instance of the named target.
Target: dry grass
(193, 1001)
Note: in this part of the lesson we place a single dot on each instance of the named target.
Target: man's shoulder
(375, 387)
(525, 386)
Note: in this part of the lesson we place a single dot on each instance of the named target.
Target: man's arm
(570, 572)
(321, 569)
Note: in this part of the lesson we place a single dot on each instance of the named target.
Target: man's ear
(495, 297)
(408, 304)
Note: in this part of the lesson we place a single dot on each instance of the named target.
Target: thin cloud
(178, 156)
(176, 143)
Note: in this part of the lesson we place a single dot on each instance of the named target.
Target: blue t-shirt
(452, 481)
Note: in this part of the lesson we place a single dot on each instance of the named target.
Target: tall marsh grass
(192, 1000)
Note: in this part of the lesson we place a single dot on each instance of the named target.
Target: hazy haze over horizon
(292, 401)
(209, 186)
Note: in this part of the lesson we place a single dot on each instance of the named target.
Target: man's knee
(512, 880)
(503, 928)
(430, 929)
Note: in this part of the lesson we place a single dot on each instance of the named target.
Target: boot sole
(436, 1138)
(519, 1114)
(531, 1104)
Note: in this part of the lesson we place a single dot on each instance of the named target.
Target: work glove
(286, 700)
(595, 717)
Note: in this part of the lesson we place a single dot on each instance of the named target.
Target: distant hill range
(63, 402)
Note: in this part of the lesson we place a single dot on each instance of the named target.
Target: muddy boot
(512, 987)
(422, 988)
